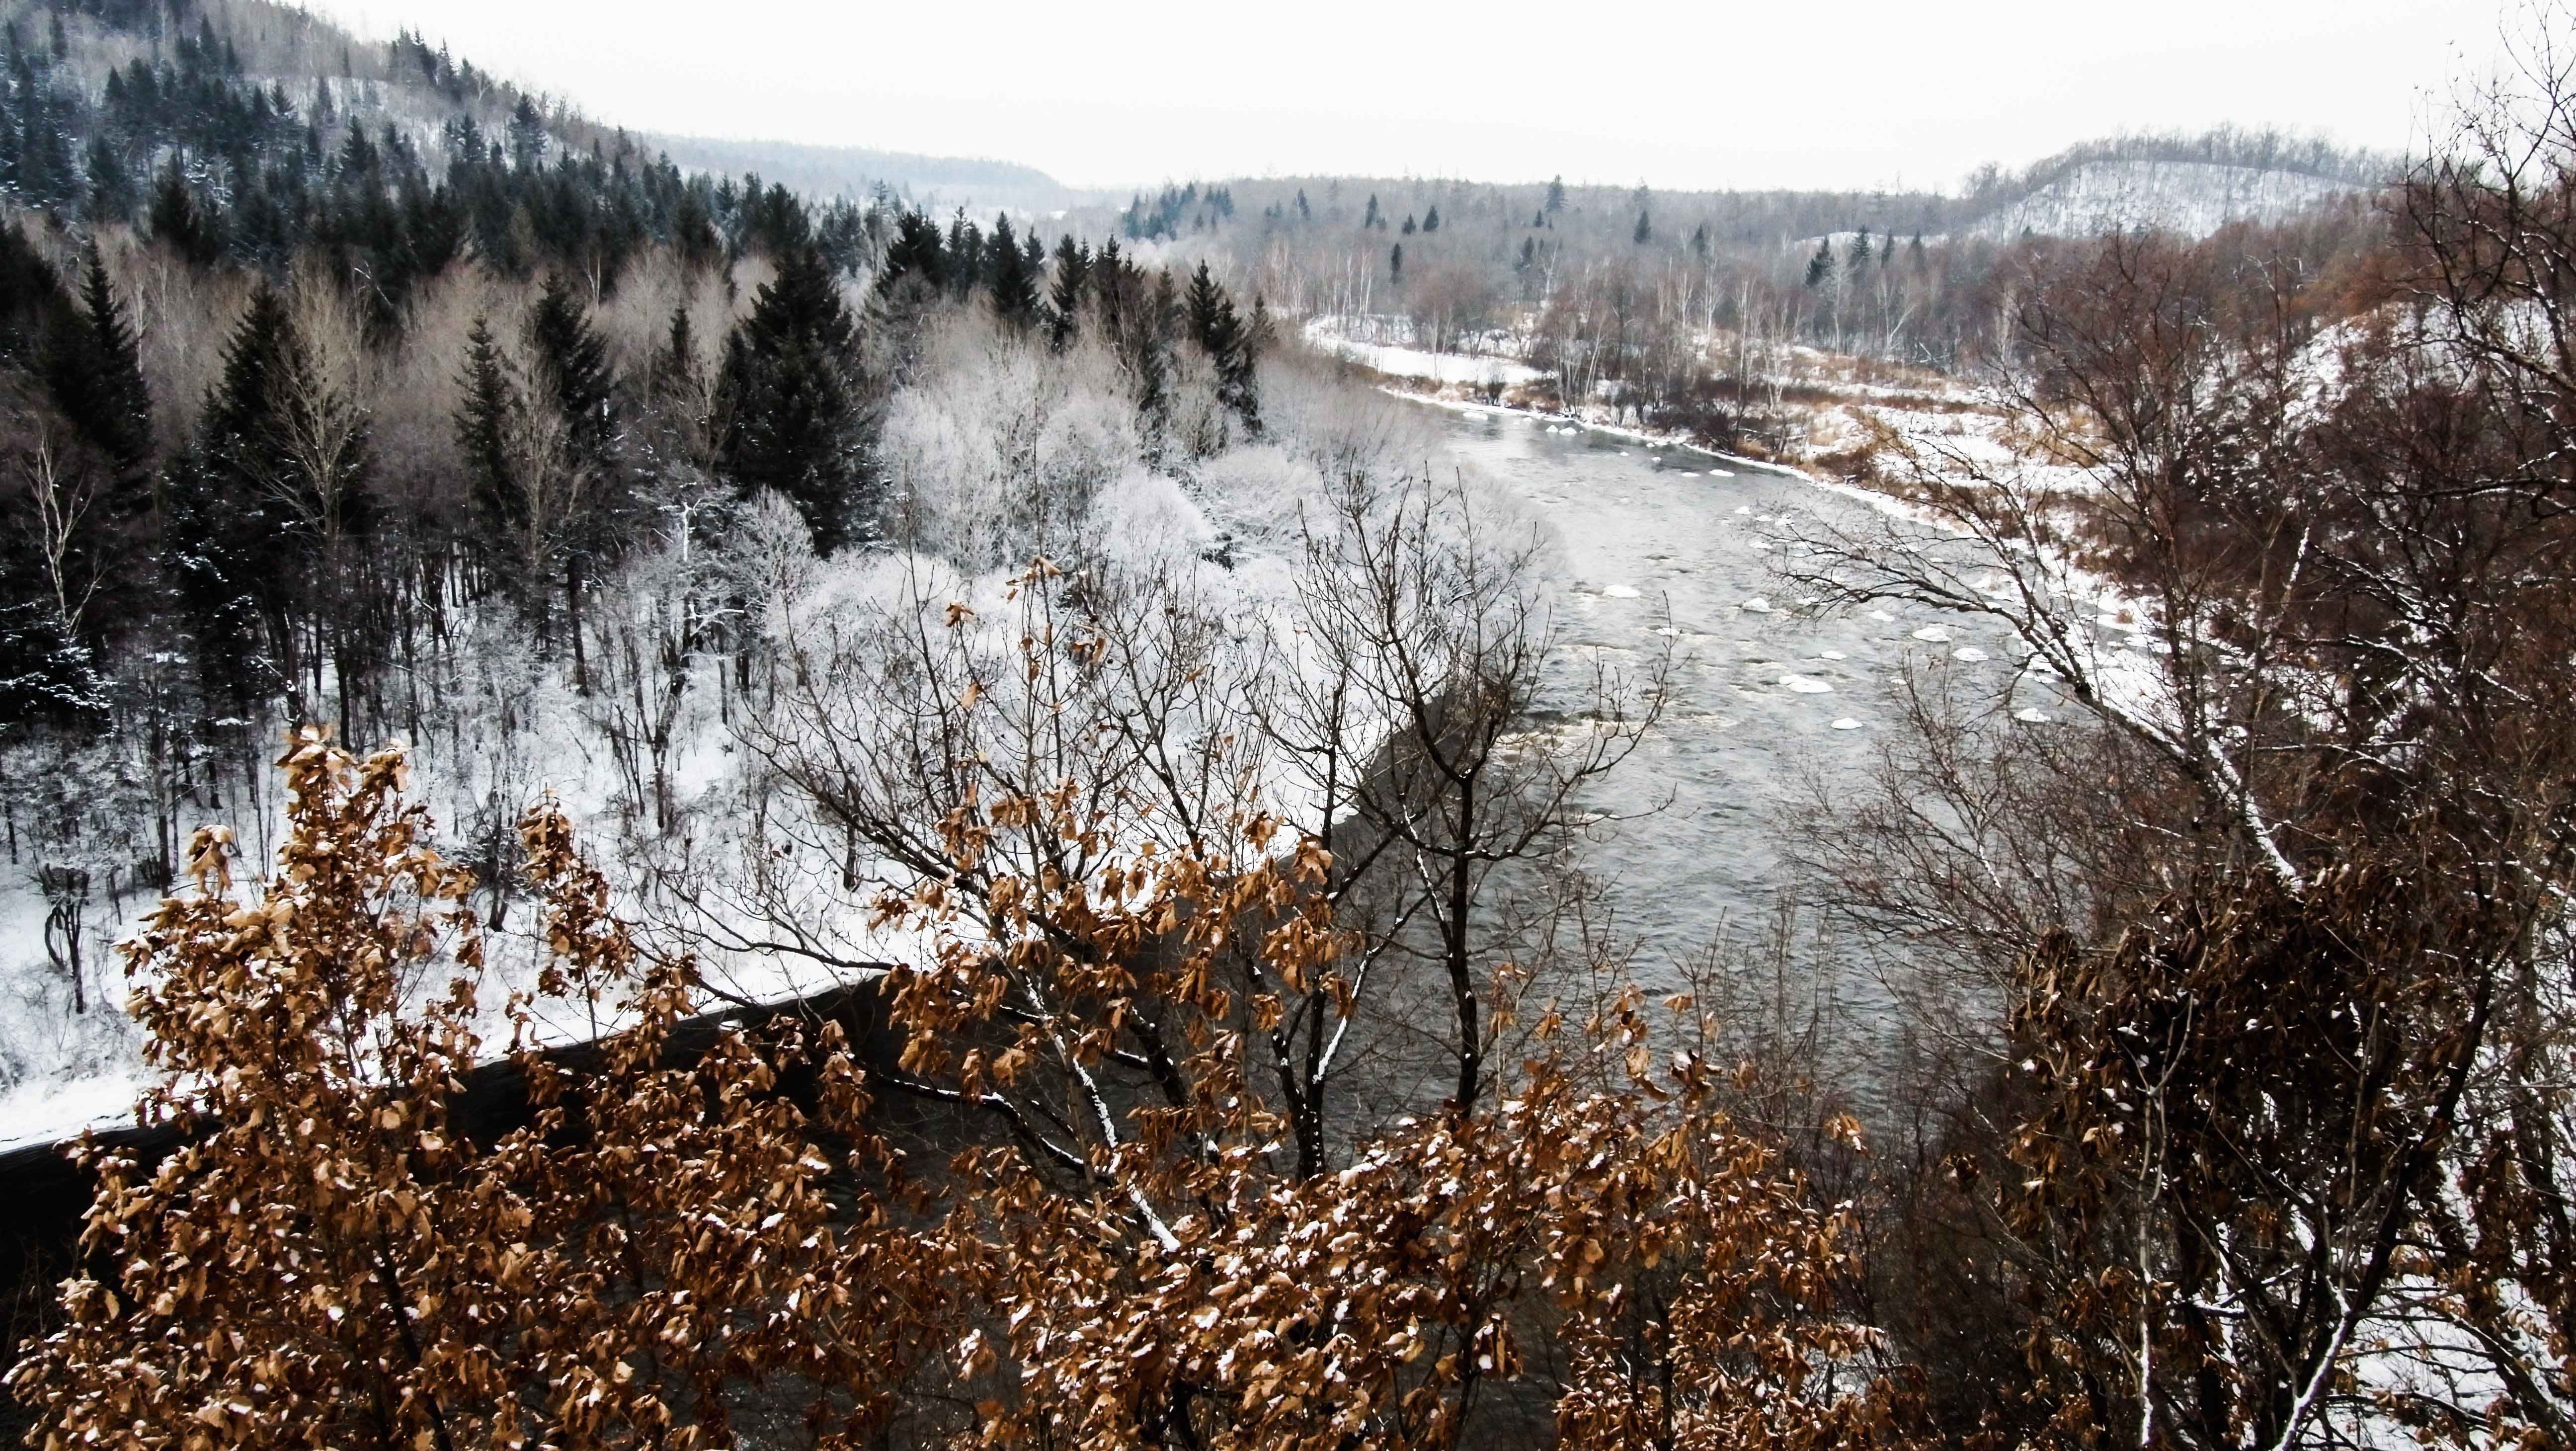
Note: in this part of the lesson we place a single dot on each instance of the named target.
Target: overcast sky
(1809, 93)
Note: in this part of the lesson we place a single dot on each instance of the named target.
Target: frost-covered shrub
(998, 449)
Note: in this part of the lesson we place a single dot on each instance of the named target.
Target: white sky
(1782, 93)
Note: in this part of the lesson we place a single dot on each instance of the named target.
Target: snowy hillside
(2193, 198)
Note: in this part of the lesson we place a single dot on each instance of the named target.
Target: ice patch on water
(1756, 606)
(2032, 714)
(1969, 653)
(1805, 684)
(1883, 617)
(1744, 508)
(1847, 724)
(1933, 633)
(1621, 591)
(1833, 655)
(1720, 474)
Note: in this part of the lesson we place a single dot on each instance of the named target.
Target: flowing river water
(1764, 703)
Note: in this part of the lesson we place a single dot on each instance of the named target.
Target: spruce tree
(1555, 197)
(1645, 231)
(1009, 280)
(1431, 220)
(572, 359)
(484, 423)
(1064, 297)
(1821, 265)
(1395, 263)
(675, 363)
(916, 253)
(181, 223)
(228, 519)
(790, 400)
(1408, 229)
(94, 372)
(1229, 345)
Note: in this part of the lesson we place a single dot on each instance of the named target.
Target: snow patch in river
(1969, 654)
(1934, 634)
(1756, 606)
(1621, 591)
(1805, 684)
(1847, 724)
(2031, 713)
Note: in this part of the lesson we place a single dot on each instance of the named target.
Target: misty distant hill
(851, 171)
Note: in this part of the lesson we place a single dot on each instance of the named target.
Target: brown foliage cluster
(681, 1248)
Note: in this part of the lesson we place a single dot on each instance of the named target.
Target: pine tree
(1555, 197)
(1645, 231)
(789, 400)
(1408, 228)
(1860, 250)
(1431, 220)
(1821, 265)
(1699, 241)
(1372, 219)
(1395, 263)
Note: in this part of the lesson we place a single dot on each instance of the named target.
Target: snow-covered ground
(2193, 198)
(1447, 369)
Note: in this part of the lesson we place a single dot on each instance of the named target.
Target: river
(1764, 702)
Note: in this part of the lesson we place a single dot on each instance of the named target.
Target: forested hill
(245, 130)
(932, 183)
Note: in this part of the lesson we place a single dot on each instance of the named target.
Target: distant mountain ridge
(976, 183)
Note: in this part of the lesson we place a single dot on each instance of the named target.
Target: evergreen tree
(181, 223)
(675, 363)
(1305, 213)
(1064, 297)
(1821, 265)
(484, 422)
(1555, 197)
(1395, 263)
(1431, 220)
(1699, 241)
(1228, 343)
(1010, 281)
(1860, 250)
(94, 371)
(915, 253)
(1373, 219)
(1645, 231)
(1408, 228)
(229, 516)
(790, 405)
(111, 186)
(572, 360)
